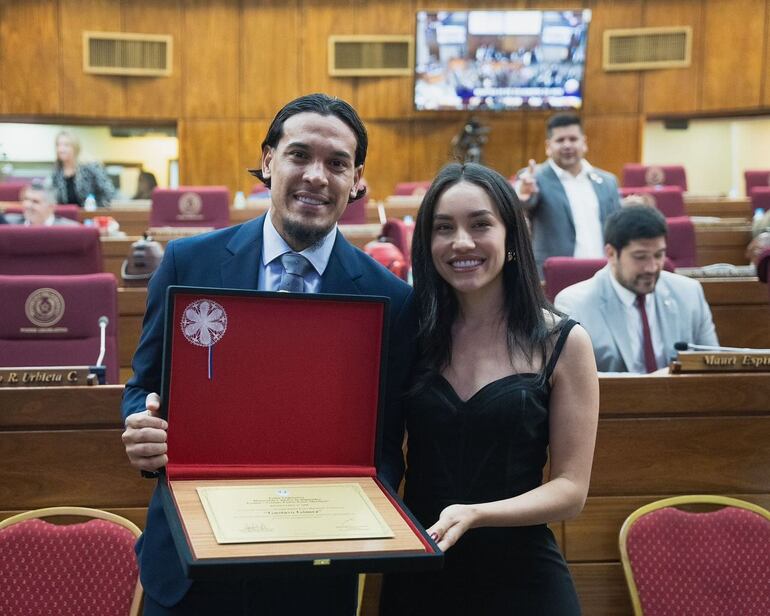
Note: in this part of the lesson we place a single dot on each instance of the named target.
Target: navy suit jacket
(228, 258)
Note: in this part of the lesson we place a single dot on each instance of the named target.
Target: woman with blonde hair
(72, 180)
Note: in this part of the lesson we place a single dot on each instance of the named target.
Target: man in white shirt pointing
(568, 199)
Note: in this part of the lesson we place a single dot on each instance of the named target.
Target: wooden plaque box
(275, 388)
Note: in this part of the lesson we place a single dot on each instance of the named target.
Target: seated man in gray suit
(38, 202)
(633, 310)
(568, 199)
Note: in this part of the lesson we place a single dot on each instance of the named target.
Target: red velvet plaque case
(275, 388)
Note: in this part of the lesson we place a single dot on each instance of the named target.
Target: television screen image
(500, 60)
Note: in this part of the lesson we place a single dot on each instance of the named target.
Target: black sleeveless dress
(491, 447)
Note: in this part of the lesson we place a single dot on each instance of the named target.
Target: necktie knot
(295, 267)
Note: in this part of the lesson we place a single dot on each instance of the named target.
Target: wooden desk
(722, 243)
(740, 309)
(722, 207)
(659, 437)
(62, 446)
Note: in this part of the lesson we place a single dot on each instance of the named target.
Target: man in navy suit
(568, 199)
(312, 161)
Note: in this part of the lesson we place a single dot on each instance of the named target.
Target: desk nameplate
(696, 361)
(47, 376)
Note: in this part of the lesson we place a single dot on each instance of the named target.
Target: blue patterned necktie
(295, 267)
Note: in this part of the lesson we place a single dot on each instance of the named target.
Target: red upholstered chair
(654, 175)
(11, 191)
(563, 272)
(681, 242)
(760, 197)
(668, 199)
(190, 206)
(63, 211)
(755, 178)
(54, 321)
(355, 212)
(411, 189)
(399, 234)
(49, 250)
(711, 563)
(73, 569)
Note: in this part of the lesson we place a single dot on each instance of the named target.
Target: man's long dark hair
(526, 325)
(324, 105)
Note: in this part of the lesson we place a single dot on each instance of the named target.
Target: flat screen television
(500, 60)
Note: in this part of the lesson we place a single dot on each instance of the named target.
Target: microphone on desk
(103, 322)
(687, 346)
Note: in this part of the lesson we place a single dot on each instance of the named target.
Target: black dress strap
(563, 333)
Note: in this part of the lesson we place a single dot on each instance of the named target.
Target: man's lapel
(240, 270)
(342, 271)
(615, 316)
(667, 315)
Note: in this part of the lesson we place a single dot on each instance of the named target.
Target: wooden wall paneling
(269, 56)
(681, 456)
(431, 145)
(733, 62)
(766, 59)
(319, 20)
(29, 57)
(388, 156)
(593, 535)
(250, 136)
(610, 92)
(504, 151)
(209, 153)
(385, 97)
(612, 141)
(155, 97)
(84, 94)
(534, 137)
(602, 589)
(675, 90)
(210, 57)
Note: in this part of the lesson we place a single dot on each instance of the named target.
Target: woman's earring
(511, 255)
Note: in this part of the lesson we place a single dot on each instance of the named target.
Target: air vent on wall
(647, 48)
(122, 53)
(370, 55)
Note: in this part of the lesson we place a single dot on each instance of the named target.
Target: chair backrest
(190, 206)
(563, 272)
(11, 191)
(82, 568)
(654, 175)
(54, 321)
(681, 247)
(355, 212)
(55, 250)
(63, 211)
(680, 562)
(411, 189)
(755, 178)
(399, 233)
(668, 199)
(760, 197)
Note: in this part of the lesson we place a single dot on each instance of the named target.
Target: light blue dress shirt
(273, 246)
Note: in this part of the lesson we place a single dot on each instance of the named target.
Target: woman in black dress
(504, 382)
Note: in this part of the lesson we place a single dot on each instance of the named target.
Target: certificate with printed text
(291, 512)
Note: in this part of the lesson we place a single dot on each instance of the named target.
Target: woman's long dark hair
(526, 325)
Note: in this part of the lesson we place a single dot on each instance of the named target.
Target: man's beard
(305, 235)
